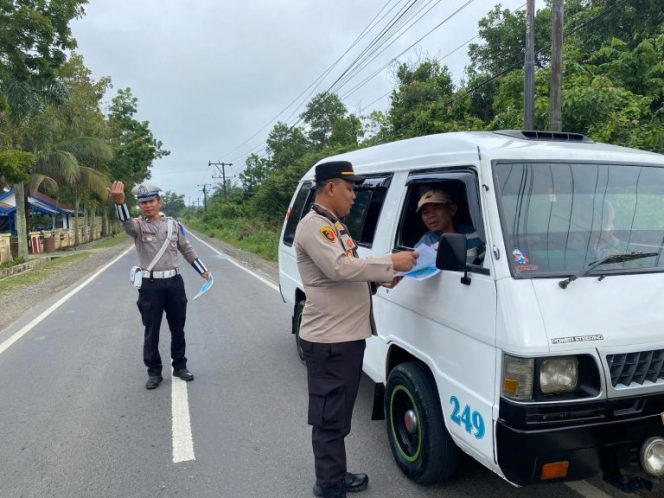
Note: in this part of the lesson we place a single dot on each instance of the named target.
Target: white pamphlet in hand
(205, 287)
(425, 266)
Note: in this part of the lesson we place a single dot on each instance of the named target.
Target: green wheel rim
(400, 401)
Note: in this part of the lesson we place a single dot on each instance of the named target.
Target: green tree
(417, 102)
(254, 173)
(33, 41)
(320, 116)
(70, 144)
(285, 144)
(503, 34)
(172, 204)
(135, 148)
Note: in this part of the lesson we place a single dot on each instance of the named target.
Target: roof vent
(552, 136)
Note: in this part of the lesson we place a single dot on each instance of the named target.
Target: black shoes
(351, 483)
(183, 374)
(153, 381)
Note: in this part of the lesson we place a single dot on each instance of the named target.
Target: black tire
(297, 320)
(421, 445)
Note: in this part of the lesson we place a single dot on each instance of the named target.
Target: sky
(213, 77)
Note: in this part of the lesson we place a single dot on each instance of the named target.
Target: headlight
(652, 456)
(559, 375)
(518, 377)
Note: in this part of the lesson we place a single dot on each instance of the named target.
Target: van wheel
(420, 443)
(297, 320)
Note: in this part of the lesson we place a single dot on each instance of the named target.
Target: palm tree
(66, 162)
(24, 100)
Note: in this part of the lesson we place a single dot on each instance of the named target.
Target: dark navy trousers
(333, 374)
(155, 297)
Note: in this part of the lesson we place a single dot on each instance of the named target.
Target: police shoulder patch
(328, 234)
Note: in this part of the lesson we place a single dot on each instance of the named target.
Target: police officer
(162, 288)
(336, 320)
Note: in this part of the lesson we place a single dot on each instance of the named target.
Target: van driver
(438, 210)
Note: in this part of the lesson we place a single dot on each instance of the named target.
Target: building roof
(38, 202)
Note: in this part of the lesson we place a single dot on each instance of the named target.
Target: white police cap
(145, 191)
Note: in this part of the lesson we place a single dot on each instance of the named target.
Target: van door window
(363, 217)
(447, 207)
(303, 200)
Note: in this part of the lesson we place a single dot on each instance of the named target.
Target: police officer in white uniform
(336, 320)
(162, 288)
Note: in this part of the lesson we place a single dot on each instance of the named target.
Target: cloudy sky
(211, 76)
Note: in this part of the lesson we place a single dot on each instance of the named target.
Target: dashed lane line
(183, 443)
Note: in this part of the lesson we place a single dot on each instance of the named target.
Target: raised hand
(116, 192)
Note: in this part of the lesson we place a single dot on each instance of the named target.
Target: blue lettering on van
(472, 422)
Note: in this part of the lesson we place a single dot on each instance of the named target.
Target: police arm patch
(328, 234)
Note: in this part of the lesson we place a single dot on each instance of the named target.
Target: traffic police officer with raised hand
(336, 320)
(162, 287)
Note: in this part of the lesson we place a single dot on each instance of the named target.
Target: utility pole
(555, 96)
(222, 171)
(204, 190)
(529, 69)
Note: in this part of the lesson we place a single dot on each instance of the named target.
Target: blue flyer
(205, 287)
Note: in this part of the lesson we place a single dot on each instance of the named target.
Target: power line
(373, 43)
(375, 55)
(400, 14)
(375, 73)
(363, 33)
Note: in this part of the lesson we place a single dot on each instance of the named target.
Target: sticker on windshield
(519, 257)
(521, 261)
(577, 338)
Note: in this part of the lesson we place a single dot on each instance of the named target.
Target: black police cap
(337, 169)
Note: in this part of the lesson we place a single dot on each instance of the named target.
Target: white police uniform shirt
(149, 235)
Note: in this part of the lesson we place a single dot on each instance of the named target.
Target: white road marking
(240, 266)
(584, 488)
(16, 336)
(183, 443)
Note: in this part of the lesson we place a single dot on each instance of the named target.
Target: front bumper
(594, 437)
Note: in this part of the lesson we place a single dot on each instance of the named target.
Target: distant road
(77, 421)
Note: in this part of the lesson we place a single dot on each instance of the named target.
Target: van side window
(363, 217)
(452, 206)
(303, 199)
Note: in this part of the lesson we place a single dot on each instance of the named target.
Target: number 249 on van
(472, 422)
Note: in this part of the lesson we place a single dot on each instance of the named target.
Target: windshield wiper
(614, 258)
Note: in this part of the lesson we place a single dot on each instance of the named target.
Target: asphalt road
(77, 421)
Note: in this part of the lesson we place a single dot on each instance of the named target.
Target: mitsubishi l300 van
(550, 340)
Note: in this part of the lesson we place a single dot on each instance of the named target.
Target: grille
(636, 368)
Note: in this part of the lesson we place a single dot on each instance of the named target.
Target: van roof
(465, 148)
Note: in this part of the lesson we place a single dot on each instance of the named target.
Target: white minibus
(550, 340)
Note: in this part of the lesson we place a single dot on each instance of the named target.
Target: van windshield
(560, 218)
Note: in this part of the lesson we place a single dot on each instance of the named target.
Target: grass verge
(63, 259)
(31, 277)
(244, 233)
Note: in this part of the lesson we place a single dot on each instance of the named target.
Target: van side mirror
(452, 254)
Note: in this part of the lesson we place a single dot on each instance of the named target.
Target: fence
(50, 240)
